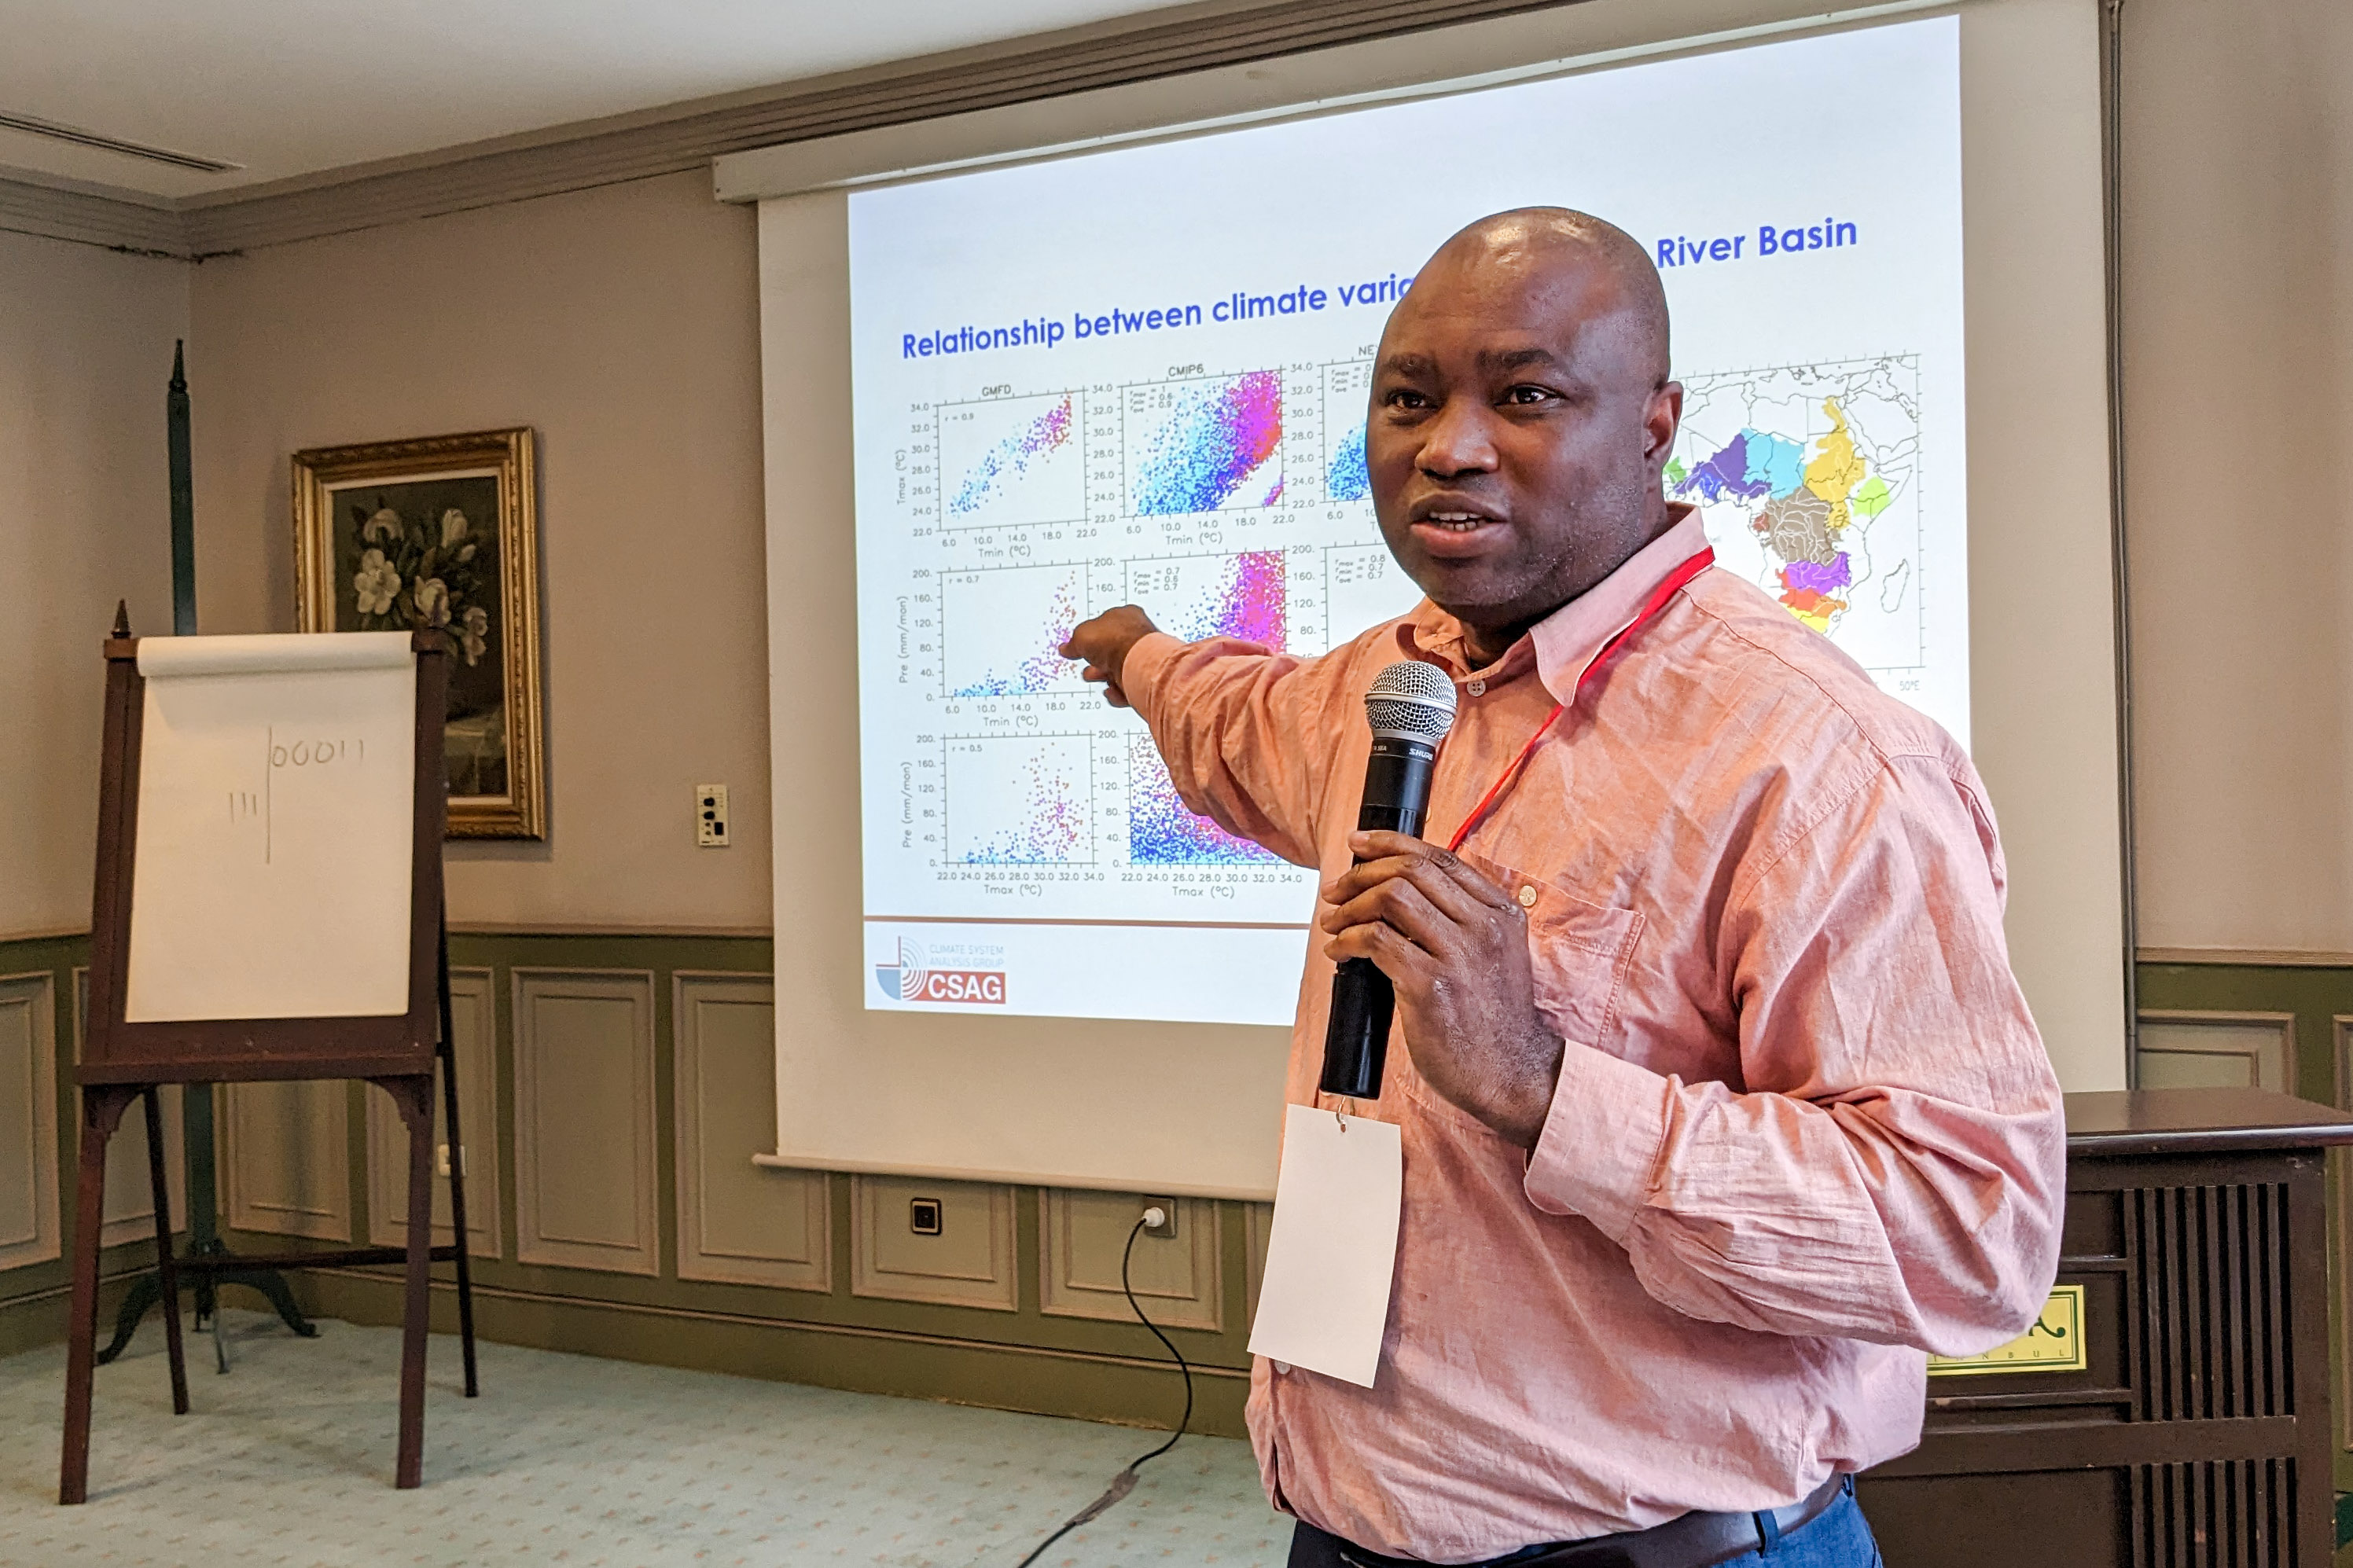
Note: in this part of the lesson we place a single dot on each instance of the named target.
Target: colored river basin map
(1807, 477)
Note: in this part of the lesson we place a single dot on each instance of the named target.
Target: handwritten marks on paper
(248, 806)
(271, 869)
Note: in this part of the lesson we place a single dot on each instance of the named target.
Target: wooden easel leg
(167, 1271)
(101, 1112)
(448, 1055)
(416, 1097)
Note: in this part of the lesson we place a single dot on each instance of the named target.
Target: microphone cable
(1124, 1482)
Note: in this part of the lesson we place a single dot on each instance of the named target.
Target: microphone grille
(1412, 699)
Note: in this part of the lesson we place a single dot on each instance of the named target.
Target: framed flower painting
(441, 534)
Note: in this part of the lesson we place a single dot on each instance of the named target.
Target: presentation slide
(1142, 376)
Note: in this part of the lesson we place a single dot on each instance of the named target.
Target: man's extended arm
(1241, 728)
(1242, 732)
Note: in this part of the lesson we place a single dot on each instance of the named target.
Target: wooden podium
(125, 1059)
(2191, 1425)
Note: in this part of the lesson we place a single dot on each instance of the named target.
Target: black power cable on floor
(1124, 1482)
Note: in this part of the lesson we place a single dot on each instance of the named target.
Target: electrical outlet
(924, 1217)
(441, 1158)
(1166, 1229)
(710, 817)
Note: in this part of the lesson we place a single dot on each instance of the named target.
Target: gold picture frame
(441, 531)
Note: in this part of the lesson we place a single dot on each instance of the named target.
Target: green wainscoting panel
(2318, 996)
(1022, 1360)
(33, 1296)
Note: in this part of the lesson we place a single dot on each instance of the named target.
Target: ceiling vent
(35, 125)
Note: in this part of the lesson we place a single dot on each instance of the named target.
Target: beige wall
(623, 325)
(2238, 157)
(85, 349)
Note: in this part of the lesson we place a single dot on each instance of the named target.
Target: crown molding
(56, 208)
(1159, 43)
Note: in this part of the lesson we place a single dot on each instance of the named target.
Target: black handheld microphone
(1410, 708)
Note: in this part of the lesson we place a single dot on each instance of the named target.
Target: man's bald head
(1521, 416)
(1624, 299)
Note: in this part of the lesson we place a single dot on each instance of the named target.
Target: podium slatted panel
(2212, 1337)
(2217, 1514)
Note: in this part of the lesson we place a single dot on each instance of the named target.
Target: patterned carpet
(573, 1460)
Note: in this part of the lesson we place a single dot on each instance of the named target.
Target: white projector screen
(1138, 373)
(1155, 393)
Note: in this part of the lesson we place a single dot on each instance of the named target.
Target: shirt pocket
(1578, 952)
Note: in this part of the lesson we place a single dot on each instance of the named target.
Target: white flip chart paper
(276, 821)
(1324, 1302)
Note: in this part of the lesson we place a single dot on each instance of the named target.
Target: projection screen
(1023, 366)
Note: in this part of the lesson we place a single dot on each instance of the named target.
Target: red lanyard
(1658, 601)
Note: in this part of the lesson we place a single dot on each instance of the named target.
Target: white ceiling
(294, 87)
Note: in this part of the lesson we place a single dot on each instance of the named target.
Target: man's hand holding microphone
(1451, 945)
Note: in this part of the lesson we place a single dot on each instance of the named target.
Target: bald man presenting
(1720, 1106)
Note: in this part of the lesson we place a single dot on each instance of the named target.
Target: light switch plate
(711, 816)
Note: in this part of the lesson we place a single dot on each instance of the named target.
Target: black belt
(1693, 1540)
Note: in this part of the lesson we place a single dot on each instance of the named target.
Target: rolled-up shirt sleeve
(1243, 731)
(1893, 1166)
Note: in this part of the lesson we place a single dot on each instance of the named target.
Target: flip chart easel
(160, 1016)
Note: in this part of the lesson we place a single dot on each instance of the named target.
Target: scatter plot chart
(1194, 597)
(1206, 445)
(1019, 800)
(1017, 459)
(999, 629)
(1347, 390)
(1345, 475)
(1363, 586)
(1229, 502)
(1162, 832)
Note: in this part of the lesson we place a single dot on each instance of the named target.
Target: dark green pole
(196, 1107)
(204, 1222)
(183, 499)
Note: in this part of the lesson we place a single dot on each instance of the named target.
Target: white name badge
(1324, 1302)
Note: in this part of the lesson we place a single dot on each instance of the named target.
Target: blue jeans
(1838, 1537)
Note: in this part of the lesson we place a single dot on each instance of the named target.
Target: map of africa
(1808, 478)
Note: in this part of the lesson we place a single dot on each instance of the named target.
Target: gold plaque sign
(2055, 1344)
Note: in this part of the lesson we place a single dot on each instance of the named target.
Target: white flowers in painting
(455, 545)
(375, 583)
(421, 575)
(473, 632)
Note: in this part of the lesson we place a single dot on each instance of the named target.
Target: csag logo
(911, 979)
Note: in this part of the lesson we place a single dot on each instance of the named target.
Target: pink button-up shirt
(1805, 1130)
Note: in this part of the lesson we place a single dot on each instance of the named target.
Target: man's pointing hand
(1102, 643)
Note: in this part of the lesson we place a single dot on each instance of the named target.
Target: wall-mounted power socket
(441, 1159)
(1166, 1229)
(710, 817)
